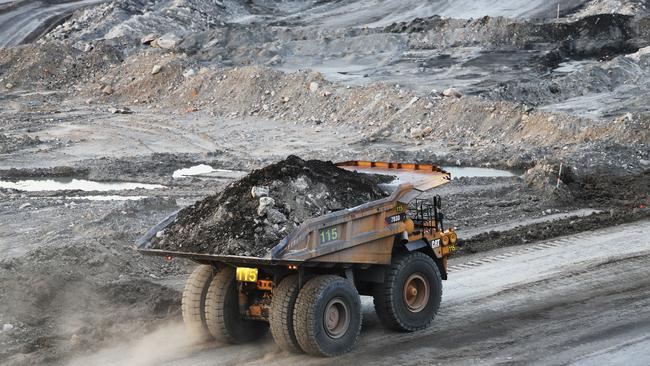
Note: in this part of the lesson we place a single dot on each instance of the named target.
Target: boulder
(265, 202)
(259, 191)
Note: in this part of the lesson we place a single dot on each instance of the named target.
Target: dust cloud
(165, 343)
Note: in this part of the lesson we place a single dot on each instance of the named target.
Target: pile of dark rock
(251, 215)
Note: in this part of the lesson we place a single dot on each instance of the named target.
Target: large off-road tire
(327, 316)
(281, 317)
(409, 298)
(193, 302)
(222, 316)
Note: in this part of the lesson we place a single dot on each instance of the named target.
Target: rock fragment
(451, 92)
(155, 69)
(416, 132)
(274, 216)
(259, 191)
(265, 202)
(148, 38)
(168, 41)
(75, 339)
(123, 110)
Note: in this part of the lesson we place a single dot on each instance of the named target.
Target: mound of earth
(253, 214)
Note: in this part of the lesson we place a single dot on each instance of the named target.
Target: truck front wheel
(327, 316)
(409, 298)
(222, 316)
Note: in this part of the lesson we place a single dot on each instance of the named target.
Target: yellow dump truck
(307, 289)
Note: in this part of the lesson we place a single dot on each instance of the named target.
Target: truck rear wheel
(193, 302)
(222, 316)
(409, 298)
(281, 317)
(327, 317)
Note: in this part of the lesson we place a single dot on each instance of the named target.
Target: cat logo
(435, 243)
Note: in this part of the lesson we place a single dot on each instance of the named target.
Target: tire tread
(305, 315)
(281, 317)
(193, 302)
(386, 293)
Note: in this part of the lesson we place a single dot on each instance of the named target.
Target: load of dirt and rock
(251, 215)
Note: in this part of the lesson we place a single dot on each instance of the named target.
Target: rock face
(253, 214)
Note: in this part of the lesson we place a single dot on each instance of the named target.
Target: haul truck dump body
(307, 288)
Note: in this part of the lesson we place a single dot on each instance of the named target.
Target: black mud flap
(415, 245)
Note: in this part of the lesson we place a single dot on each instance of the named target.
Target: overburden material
(253, 214)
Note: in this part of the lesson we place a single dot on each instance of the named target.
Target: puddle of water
(60, 184)
(570, 66)
(204, 170)
(459, 172)
(193, 170)
(415, 177)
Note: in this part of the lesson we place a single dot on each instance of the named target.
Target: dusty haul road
(581, 299)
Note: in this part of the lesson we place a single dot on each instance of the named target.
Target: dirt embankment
(55, 65)
(378, 112)
(548, 230)
(596, 188)
(499, 126)
(251, 215)
(471, 129)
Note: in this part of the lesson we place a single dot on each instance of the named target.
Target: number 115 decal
(329, 234)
